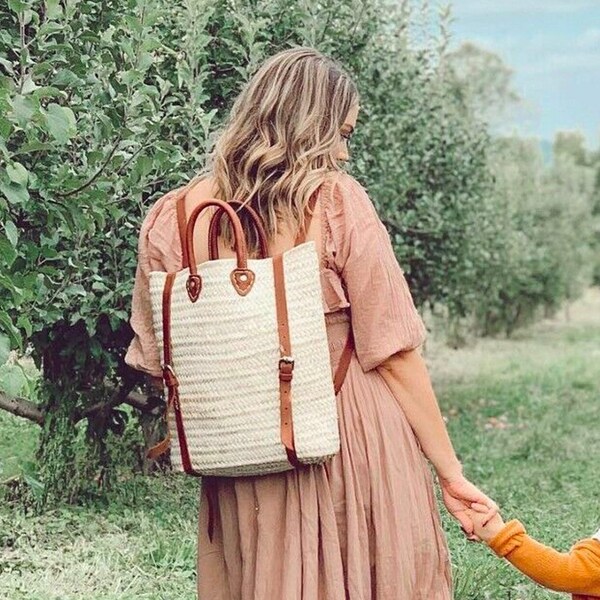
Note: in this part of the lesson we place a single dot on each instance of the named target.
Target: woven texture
(225, 355)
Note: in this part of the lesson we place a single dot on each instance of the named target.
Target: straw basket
(245, 360)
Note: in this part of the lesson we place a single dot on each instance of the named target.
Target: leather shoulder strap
(181, 221)
(286, 362)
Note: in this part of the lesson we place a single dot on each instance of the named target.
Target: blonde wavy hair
(279, 143)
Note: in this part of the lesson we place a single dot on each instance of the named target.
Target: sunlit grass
(523, 414)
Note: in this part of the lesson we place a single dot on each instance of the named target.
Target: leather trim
(193, 285)
(172, 384)
(343, 364)
(286, 364)
(181, 222)
(243, 280)
(214, 230)
(155, 451)
(183, 447)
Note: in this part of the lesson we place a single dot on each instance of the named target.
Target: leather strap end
(160, 448)
(344, 363)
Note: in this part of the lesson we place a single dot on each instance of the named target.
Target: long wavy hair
(279, 143)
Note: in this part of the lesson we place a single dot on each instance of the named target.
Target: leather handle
(215, 228)
(240, 239)
(242, 278)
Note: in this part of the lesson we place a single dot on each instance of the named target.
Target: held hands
(485, 527)
(463, 501)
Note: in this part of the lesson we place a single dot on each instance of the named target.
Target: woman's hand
(459, 494)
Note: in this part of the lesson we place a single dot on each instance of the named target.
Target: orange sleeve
(577, 571)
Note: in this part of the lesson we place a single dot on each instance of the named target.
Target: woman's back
(206, 188)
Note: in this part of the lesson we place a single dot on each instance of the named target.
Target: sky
(553, 46)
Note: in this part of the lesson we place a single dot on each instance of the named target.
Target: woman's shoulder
(349, 199)
(201, 188)
(159, 230)
(344, 183)
(164, 209)
(159, 233)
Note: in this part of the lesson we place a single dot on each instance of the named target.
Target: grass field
(524, 415)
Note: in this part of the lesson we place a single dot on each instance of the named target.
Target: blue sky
(553, 46)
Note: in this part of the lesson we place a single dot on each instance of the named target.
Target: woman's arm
(407, 377)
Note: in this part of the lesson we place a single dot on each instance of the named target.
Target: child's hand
(485, 527)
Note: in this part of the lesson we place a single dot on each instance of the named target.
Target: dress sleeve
(384, 318)
(157, 251)
(143, 353)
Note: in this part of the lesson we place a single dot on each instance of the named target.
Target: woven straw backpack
(245, 355)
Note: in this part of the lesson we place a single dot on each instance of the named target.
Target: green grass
(524, 415)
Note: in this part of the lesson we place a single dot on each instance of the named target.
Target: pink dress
(364, 526)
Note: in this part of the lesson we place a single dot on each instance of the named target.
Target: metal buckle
(287, 360)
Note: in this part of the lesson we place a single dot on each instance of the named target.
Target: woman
(365, 525)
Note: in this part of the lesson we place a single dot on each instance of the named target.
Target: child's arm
(577, 572)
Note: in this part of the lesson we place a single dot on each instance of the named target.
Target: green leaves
(13, 380)
(61, 122)
(17, 6)
(4, 348)
(17, 173)
(53, 9)
(14, 193)
(9, 330)
(11, 232)
(23, 109)
(7, 251)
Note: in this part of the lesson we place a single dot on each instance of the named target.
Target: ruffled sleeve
(384, 318)
(158, 250)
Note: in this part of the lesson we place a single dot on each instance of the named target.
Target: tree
(570, 145)
(483, 81)
(543, 254)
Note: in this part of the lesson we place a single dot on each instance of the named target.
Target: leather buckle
(287, 360)
(286, 368)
